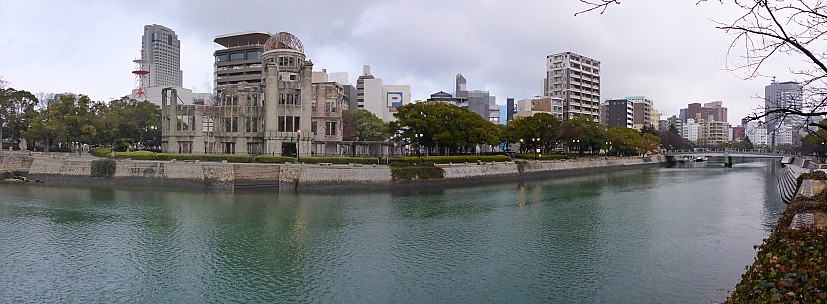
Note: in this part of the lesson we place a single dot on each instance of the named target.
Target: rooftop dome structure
(283, 41)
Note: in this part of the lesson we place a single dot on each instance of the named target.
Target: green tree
(648, 129)
(649, 143)
(542, 126)
(67, 119)
(743, 144)
(368, 126)
(437, 125)
(670, 139)
(584, 134)
(625, 140)
(17, 108)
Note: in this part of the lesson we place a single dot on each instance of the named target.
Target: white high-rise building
(575, 79)
(161, 49)
(378, 98)
(691, 130)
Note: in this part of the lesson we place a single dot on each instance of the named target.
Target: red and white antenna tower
(140, 75)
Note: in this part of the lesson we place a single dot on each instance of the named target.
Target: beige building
(574, 79)
(529, 107)
(706, 131)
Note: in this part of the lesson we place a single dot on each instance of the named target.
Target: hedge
(101, 152)
(410, 172)
(448, 159)
(103, 168)
(146, 155)
(542, 156)
(340, 160)
(266, 159)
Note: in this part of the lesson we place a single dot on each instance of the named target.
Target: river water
(655, 235)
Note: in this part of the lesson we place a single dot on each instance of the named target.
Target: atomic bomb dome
(283, 41)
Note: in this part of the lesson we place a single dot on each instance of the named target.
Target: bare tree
(771, 28)
(600, 5)
(776, 28)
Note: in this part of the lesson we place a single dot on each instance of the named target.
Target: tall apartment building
(619, 113)
(782, 95)
(575, 79)
(161, 49)
(644, 113)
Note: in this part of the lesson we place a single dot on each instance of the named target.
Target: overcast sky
(669, 51)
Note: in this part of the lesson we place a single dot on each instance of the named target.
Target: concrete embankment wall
(229, 176)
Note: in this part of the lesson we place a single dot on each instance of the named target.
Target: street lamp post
(298, 147)
(608, 148)
(575, 143)
(536, 141)
(522, 147)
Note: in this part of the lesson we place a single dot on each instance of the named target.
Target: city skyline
(498, 47)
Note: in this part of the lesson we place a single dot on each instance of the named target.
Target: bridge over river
(725, 157)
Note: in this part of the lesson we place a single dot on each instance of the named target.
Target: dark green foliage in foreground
(340, 160)
(101, 152)
(791, 265)
(232, 158)
(144, 155)
(103, 168)
(122, 145)
(265, 159)
(417, 171)
(449, 159)
(541, 156)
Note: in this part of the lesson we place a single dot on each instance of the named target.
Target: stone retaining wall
(227, 176)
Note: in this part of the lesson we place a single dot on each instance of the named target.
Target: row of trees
(444, 128)
(56, 121)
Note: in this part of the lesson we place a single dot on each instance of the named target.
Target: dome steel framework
(283, 40)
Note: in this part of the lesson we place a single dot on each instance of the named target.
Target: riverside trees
(442, 126)
(66, 118)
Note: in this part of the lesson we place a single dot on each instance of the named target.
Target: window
(286, 61)
(206, 124)
(251, 125)
(287, 98)
(222, 58)
(289, 123)
(231, 124)
(253, 55)
(236, 56)
(330, 128)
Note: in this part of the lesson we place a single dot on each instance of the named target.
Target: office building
(240, 60)
(783, 95)
(574, 79)
(715, 109)
(161, 50)
(379, 98)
